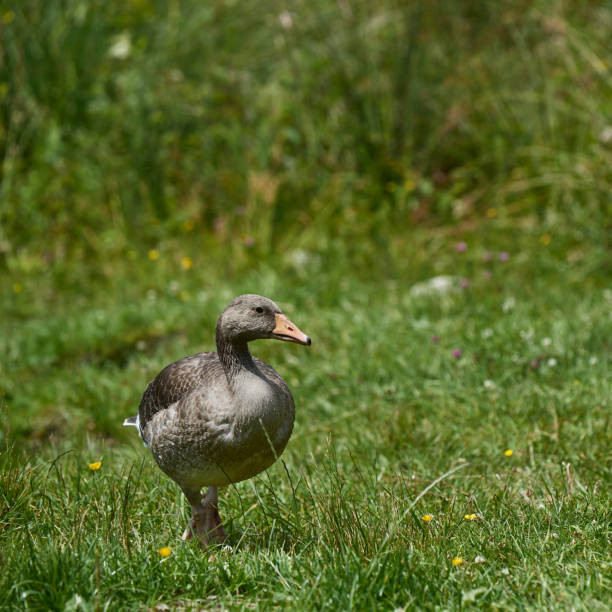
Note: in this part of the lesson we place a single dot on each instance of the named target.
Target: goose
(218, 418)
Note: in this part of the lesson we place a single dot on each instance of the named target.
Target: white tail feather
(132, 422)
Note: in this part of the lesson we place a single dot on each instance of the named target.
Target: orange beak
(286, 330)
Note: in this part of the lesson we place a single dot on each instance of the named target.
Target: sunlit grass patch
(365, 504)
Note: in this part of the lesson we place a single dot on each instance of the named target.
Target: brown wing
(175, 381)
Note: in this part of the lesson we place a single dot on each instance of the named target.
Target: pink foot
(206, 523)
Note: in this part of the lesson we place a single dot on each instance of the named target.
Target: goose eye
(259, 309)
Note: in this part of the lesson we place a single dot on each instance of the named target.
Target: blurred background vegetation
(241, 130)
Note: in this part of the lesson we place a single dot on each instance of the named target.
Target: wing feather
(175, 381)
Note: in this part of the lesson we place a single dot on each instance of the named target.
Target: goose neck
(234, 356)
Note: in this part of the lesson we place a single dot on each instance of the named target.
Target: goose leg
(213, 525)
(205, 521)
(193, 496)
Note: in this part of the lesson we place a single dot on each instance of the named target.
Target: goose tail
(134, 421)
(131, 421)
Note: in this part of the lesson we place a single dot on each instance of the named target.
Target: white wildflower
(122, 46)
(436, 284)
(509, 304)
(286, 20)
(487, 332)
(606, 134)
(300, 258)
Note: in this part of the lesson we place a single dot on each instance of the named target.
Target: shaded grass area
(385, 408)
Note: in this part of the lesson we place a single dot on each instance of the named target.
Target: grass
(159, 158)
(383, 412)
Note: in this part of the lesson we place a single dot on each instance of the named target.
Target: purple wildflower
(435, 339)
(457, 353)
(461, 247)
(464, 283)
(504, 256)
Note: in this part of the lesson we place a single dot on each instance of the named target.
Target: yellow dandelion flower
(186, 263)
(457, 561)
(426, 518)
(409, 185)
(164, 551)
(188, 225)
(470, 517)
(545, 239)
(17, 287)
(184, 295)
(491, 213)
(509, 452)
(96, 465)
(600, 64)
(153, 254)
(576, 383)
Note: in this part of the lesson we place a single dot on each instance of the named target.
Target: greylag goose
(217, 418)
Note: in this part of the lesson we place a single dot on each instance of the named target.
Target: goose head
(251, 317)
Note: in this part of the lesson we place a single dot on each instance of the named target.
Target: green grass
(158, 158)
(382, 413)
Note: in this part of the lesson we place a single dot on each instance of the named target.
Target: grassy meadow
(424, 188)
